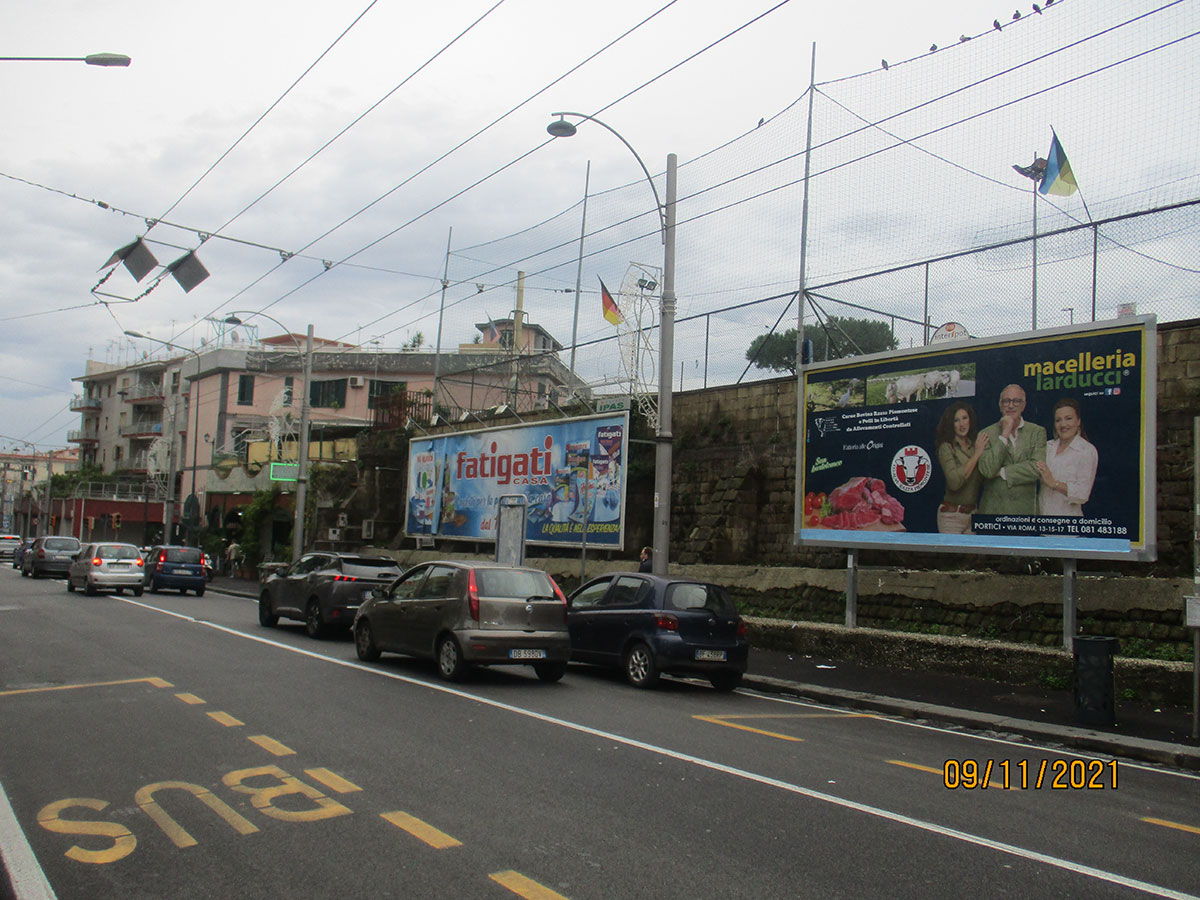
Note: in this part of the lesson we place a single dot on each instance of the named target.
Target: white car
(108, 566)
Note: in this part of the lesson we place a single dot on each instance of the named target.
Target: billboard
(1040, 444)
(570, 471)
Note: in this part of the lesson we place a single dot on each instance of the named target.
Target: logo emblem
(911, 470)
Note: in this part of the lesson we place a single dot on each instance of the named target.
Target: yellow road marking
(1192, 829)
(831, 715)
(423, 831)
(225, 719)
(271, 745)
(718, 720)
(525, 887)
(190, 699)
(933, 771)
(154, 682)
(332, 780)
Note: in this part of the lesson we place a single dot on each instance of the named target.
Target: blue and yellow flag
(1059, 179)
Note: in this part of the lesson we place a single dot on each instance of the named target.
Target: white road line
(888, 815)
(28, 880)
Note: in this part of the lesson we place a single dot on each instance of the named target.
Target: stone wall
(735, 469)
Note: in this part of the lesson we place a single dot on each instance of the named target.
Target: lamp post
(666, 346)
(302, 454)
(92, 59)
(169, 501)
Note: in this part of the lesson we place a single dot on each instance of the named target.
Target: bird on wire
(1037, 9)
(963, 38)
(933, 48)
(1016, 14)
(883, 62)
(996, 24)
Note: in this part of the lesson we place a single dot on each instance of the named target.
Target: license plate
(119, 565)
(710, 655)
(526, 654)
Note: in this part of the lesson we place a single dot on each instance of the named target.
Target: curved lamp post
(169, 502)
(93, 59)
(666, 346)
(302, 454)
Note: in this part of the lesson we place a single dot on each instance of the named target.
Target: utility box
(1094, 697)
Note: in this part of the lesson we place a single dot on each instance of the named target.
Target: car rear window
(369, 566)
(516, 583)
(116, 551)
(183, 554)
(684, 596)
(61, 544)
(5, 539)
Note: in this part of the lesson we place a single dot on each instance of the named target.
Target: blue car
(647, 625)
(178, 568)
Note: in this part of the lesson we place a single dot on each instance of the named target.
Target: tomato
(812, 520)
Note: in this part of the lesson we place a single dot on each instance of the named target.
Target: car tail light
(741, 628)
(473, 595)
(345, 578)
(558, 591)
(97, 561)
(666, 622)
(141, 562)
(162, 558)
(41, 553)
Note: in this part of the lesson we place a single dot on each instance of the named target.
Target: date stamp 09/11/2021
(1023, 774)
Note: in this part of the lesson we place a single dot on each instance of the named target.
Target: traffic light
(116, 520)
(91, 523)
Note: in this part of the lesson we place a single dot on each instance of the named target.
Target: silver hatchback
(108, 566)
(468, 613)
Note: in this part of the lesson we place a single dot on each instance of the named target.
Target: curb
(1140, 749)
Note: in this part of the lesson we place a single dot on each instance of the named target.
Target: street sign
(1193, 612)
(285, 471)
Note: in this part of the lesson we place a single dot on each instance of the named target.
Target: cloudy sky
(369, 152)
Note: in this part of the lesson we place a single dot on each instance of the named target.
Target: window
(328, 394)
(245, 390)
(627, 592)
(117, 453)
(384, 389)
(684, 596)
(591, 595)
(175, 382)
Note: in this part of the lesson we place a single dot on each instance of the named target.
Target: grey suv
(468, 613)
(49, 556)
(323, 590)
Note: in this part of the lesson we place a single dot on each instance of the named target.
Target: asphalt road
(169, 746)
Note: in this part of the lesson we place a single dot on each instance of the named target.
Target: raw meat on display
(860, 503)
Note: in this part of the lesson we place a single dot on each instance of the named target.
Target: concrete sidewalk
(1143, 732)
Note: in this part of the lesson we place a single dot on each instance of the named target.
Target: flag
(611, 312)
(1059, 179)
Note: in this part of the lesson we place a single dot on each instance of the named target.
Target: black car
(323, 590)
(20, 552)
(177, 567)
(648, 625)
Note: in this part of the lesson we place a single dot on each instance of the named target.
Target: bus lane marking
(1166, 823)
(224, 718)
(190, 699)
(332, 780)
(153, 681)
(932, 771)
(421, 830)
(271, 745)
(525, 887)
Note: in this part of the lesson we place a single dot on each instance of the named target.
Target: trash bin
(1094, 679)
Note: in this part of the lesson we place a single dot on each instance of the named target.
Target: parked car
(172, 566)
(323, 590)
(19, 553)
(8, 545)
(648, 625)
(468, 613)
(107, 566)
(49, 556)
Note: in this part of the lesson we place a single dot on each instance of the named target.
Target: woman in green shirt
(959, 445)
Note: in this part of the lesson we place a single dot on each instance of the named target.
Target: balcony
(142, 428)
(83, 437)
(84, 404)
(144, 392)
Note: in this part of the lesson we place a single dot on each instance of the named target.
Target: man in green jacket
(1009, 461)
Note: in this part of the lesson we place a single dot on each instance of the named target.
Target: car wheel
(266, 618)
(137, 591)
(199, 592)
(450, 663)
(313, 625)
(120, 590)
(640, 668)
(70, 585)
(364, 642)
(550, 672)
(725, 681)
(89, 589)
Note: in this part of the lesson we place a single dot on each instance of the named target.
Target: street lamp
(93, 59)
(302, 455)
(666, 346)
(169, 502)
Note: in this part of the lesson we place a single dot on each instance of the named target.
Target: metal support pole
(707, 323)
(1095, 265)
(49, 475)
(1068, 616)
(801, 296)
(1035, 193)
(666, 364)
(925, 318)
(302, 460)
(852, 588)
(587, 181)
(168, 535)
(1196, 574)
(437, 353)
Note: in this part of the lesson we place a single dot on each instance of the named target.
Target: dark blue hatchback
(180, 568)
(649, 625)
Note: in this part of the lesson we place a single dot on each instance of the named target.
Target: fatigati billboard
(1035, 444)
(570, 471)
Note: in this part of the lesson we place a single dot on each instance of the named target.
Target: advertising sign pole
(852, 588)
(1068, 603)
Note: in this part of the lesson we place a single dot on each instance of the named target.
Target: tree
(415, 342)
(851, 337)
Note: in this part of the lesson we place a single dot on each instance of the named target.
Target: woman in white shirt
(1070, 467)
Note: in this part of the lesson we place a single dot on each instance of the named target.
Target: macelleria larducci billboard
(1039, 443)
